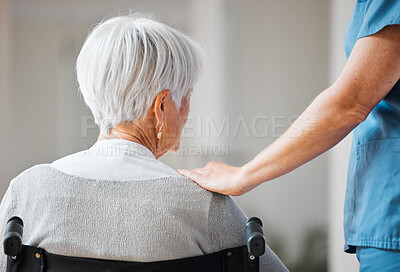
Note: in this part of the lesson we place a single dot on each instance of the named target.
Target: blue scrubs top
(372, 203)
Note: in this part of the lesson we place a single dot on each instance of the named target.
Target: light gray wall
(278, 62)
(341, 11)
(5, 88)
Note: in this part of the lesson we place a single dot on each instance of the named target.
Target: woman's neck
(134, 133)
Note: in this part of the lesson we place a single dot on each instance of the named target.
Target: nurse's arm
(369, 74)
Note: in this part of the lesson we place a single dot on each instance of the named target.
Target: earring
(159, 134)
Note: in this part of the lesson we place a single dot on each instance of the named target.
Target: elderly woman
(116, 200)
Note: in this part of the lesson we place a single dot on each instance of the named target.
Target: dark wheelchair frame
(24, 258)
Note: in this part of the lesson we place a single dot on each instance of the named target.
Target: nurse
(364, 99)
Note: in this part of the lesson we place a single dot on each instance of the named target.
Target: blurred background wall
(266, 61)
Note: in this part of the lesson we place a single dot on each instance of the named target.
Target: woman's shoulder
(174, 187)
(225, 206)
(31, 173)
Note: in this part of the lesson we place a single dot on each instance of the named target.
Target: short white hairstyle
(126, 61)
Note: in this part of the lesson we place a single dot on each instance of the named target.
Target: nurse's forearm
(370, 73)
(321, 126)
(368, 76)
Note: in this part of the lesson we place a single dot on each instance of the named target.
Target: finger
(198, 170)
(195, 176)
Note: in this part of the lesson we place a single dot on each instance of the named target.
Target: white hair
(126, 61)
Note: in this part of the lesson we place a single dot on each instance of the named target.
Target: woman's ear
(159, 105)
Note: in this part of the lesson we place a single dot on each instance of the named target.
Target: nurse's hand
(218, 177)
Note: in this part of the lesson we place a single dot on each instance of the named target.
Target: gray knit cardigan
(139, 220)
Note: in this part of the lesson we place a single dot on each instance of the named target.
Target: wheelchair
(24, 258)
